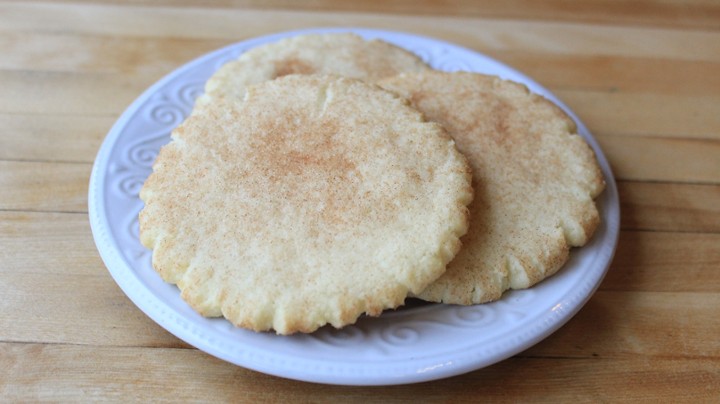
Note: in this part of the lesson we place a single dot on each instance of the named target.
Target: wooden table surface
(643, 75)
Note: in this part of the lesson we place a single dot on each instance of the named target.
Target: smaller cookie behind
(534, 179)
(342, 54)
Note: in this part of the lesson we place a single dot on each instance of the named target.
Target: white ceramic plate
(405, 346)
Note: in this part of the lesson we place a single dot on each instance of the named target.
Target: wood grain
(647, 113)
(138, 374)
(70, 52)
(642, 75)
(41, 243)
(677, 13)
(656, 261)
(663, 159)
(671, 207)
(480, 33)
(48, 186)
(646, 261)
(56, 138)
(64, 52)
(68, 93)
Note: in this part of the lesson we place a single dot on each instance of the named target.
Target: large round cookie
(534, 180)
(311, 200)
(343, 54)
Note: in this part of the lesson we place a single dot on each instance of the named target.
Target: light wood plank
(666, 115)
(632, 158)
(478, 33)
(604, 75)
(665, 262)
(657, 282)
(65, 239)
(618, 74)
(646, 206)
(57, 289)
(64, 52)
(44, 186)
(668, 278)
(48, 243)
(663, 159)
(74, 373)
(631, 324)
(59, 243)
(67, 93)
(78, 94)
(646, 114)
(56, 308)
(670, 207)
(52, 138)
(694, 14)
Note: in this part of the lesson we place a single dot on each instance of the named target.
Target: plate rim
(111, 255)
